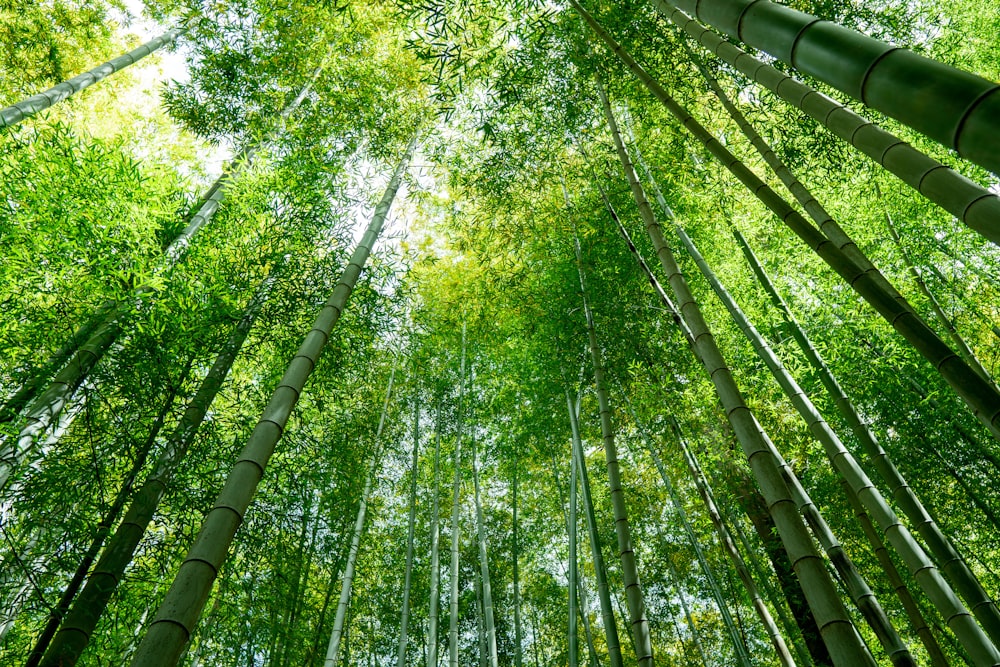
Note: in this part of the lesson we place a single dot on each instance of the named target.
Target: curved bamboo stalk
(15, 113)
(971, 203)
(981, 397)
(835, 625)
(956, 108)
(179, 612)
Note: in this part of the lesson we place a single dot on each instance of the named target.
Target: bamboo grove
(521, 333)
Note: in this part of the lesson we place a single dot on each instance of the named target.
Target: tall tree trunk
(178, 614)
(27, 108)
(981, 397)
(626, 552)
(405, 613)
(434, 593)
(838, 630)
(949, 559)
(600, 572)
(965, 105)
(456, 491)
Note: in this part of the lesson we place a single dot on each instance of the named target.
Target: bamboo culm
(600, 572)
(742, 655)
(626, 552)
(76, 630)
(410, 527)
(484, 568)
(956, 108)
(179, 612)
(456, 492)
(971, 203)
(845, 466)
(27, 108)
(434, 593)
(948, 558)
(981, 397)
(836, 626)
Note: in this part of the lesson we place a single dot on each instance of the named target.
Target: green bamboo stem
(14, 114)
(77, 629)
(434, 593)
(571, 520)
(956, 108)
(780, 647)
(910, 606)
(832, 618)
(484, 568)
(179, 612)
(104, 527)
(848, 469)
(456, 492)
(981, 397)
(971, 203)
(626, 552)
(947, 557)
(600, 572)
(410, 528)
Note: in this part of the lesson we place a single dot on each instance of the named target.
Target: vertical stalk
(838, 631)
(434, 594)
(455, 510)
(171, 628)
(571, 528)
(484, 568)
(405, 613)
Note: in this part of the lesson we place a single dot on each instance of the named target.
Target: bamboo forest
(523, 333)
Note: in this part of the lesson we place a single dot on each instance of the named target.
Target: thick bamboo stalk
(832, 618)
(848, 469)
(626, 552)
(410, 527)
(27, 108)
(956, 108)
(981, 397)
(179, 612)
(971, 203)
(948, 558)
(77, 628)
(600, 572)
